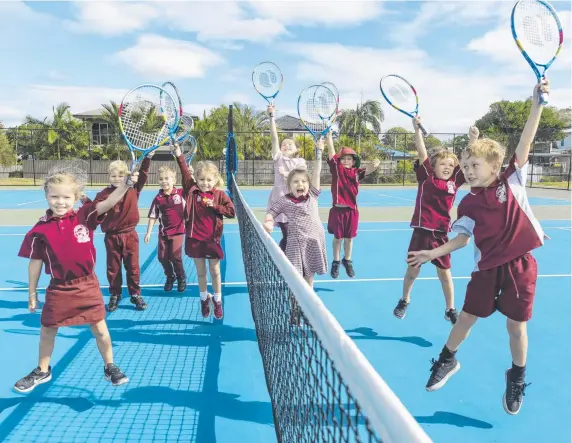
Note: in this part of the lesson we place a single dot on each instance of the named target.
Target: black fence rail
(38, 150)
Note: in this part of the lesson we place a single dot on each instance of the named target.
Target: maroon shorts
(425, 240)
(508, 288)
(343, 222)
(73, 302)
(203, 249)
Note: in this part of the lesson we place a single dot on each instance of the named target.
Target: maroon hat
(350, 151)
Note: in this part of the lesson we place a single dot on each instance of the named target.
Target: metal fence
(549, 167)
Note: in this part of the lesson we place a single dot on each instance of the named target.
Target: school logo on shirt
(501, 193)
(451, 187)
(81, 234)
(177, 199)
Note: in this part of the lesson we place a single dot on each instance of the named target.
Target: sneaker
(217, 307)
(513, 396)
(451, 315)
(206, 307)
(33, 379)
(139, 303)
(181, 283)
(169, 284)
(349, 267)
(113, 374)
(335, 272)
(113, 302)
(400, 309)
(441, 371)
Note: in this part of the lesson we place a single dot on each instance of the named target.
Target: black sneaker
(169, 284)
(452, 316)
(400, 309)
(513, 396)
(113, 374)
(113, 302)
(33, 379)
(181, 284)
(139, 303)
(441, 371)
(335, 272)
(349, 267)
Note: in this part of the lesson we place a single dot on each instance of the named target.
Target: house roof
(289, 123)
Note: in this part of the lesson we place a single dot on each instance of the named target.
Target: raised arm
(531, 126)
(187, 178)
(103, 206)
(419, 142)
(143, 173)
(273, 133)
(317, 170)
(473, 135)
(34, 271)
(330, 142)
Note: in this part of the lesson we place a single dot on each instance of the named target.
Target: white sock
(204, 295)
(218, 297)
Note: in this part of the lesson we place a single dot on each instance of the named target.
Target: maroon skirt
(203, 249)
(73, 302)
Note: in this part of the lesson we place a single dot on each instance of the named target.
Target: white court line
(341, 280)
(392, 196)
(29, 203)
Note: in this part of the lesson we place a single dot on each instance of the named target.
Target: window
(100, 134)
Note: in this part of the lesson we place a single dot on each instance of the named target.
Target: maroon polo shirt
(345, 183)
(500, 219)
(170, 210)
(204, 218)
(435, 198)
(64, 244)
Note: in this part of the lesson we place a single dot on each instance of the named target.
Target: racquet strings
(400, 93)
(315, 106)
(267, 79)
(537, 30)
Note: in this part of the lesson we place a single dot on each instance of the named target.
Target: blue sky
(459, 55)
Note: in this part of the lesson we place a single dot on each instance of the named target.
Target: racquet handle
(542, 98)
(423, 130)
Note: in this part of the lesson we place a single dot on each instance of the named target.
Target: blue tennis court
(203, 381)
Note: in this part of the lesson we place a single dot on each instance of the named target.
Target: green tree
(7, 151)
(364, 120)
(397, 138)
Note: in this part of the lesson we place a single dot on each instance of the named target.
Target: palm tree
(356, 122)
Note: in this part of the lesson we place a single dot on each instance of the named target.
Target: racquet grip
(542, 98)
(423, 130)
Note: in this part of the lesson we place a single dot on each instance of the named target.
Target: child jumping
(439, 178)
(307, 250)
(343, 219)
(497, 213)
(168, 207)
(286, 158)
(121, 238)
(62, 242)
(206, 205)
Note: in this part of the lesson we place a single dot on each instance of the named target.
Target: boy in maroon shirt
(206, 205)
(62, 242)
(497, 213)
(169, 208)
(343, 218)
(439, 177)
(121, 238)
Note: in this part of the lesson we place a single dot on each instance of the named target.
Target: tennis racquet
(401, 94)
(146, 114)
(334, 89)
(189, 149)
(171, 89)
(267, 80)
(537, 32)
(317, 106)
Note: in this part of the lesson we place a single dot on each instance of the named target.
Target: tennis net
(321, 386)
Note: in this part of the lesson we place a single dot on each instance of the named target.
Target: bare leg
(448, 289)
(103, 340)
(47, 340)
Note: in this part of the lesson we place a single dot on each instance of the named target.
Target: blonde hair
(165, 169)
(118, 166)
(60, 178)
(300, 169)
(490, 150)
(208, 167)
(442, 154)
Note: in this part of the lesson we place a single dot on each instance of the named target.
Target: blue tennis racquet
(317, 106)
(146, 115)
(537, 31)
(401, 94)
(267, 80)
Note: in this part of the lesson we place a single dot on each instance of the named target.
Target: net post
(231, 154)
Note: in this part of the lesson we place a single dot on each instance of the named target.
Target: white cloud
(242, 98)
(13, 14)
(314, 12)
(159, 57)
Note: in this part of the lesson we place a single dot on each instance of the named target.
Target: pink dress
(280, 188)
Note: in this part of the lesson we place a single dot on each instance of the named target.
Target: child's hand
(376, 163)
(282, 171)
(416, 123)
(32, 302)
(147, 237)
(270, 109)
(269, 226)
(417, 258)
(177, 150)
(320, 145)
(474, 132)
(543, 86)
(135, 176)
(150, 155)
(208, 202)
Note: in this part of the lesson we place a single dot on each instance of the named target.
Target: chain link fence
(38, 150)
